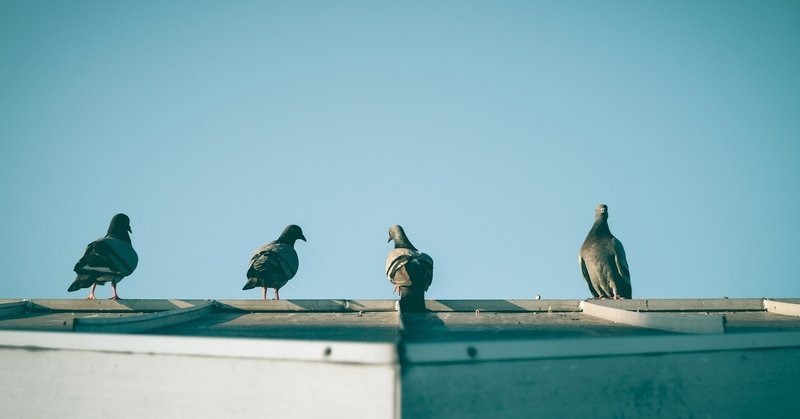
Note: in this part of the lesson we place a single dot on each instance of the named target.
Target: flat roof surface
(370, 326)
(378, 321)
(441, 327)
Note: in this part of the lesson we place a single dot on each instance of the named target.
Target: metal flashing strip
(517, 350)
(331, 306)
(659, 321)
(778, 307)
(503, 306)
(272, 349)
(685, 304)
(13, 308)
(143, 322)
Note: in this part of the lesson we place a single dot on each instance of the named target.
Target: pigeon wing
(585, 273)
(108, 256)
(396, 259)
(622, 268)
(406, 267)
(274, 257)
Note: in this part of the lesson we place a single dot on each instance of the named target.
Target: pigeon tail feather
(82, 281)
(251, 283)
(412, 299)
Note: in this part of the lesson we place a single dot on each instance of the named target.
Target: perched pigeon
(275, 263)
(410, 270)
(602, 260)
(108, 259)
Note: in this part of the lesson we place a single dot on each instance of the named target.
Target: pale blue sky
(489, 130)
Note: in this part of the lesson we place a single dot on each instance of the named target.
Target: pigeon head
(601, 211)
(600, 227)
(397, 234)
(291, 234)
(120, 223)
(120, 227)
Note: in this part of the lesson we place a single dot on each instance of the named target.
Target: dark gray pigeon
(108, 259)
(275, 263)
(410, 270)
(602, 260)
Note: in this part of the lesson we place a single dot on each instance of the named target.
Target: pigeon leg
(264, 293)
(277, 296)
(91, 293)
(114, 295)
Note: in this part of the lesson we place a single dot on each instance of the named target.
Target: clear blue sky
(489, 130)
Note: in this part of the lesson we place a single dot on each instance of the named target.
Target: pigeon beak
(390, 239)
(129, 229)
(303, 238)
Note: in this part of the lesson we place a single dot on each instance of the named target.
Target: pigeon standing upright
(108, 259)
(410, 270)
(275, 263)
(602, 260)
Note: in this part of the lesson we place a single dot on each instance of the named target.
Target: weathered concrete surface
(364, 327)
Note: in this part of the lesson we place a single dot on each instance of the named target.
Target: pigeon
(274, 263)
(410, 270)
(108, 259)
(602, 260)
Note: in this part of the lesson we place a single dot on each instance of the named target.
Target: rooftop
(378, 320)
(361, 358)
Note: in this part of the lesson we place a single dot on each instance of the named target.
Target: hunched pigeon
(410, 270)
(108, 259)
(602, 260)
(275, 263)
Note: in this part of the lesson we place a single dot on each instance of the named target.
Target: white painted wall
(169, 381)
